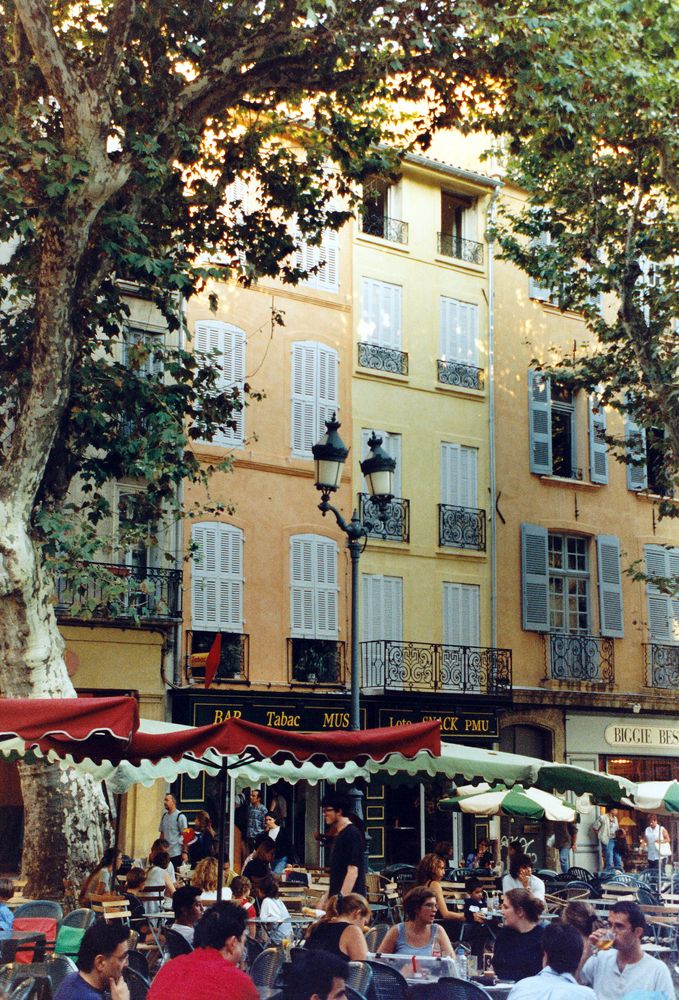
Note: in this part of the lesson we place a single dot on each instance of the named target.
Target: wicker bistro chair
(387, 983)
(266, 968)
(375, 936)
(359, 977)
(459, 989)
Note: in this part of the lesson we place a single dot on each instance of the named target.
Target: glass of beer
(606, 940)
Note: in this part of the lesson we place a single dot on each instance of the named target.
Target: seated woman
(342, 930)
(158, 845)
(205, 878)
(158, 876)
(272, 908)
(418, 934)
(258, 864)
(134, 880)
(517, 953)
(100, 879)
(521, 877)
(240, 889)
(429, 873)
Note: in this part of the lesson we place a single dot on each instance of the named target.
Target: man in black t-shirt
(347, 861)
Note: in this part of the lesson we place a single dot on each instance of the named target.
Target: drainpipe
(490, 219)
(179, 526)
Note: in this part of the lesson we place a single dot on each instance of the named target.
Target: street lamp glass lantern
(330, 454)
(378, 469)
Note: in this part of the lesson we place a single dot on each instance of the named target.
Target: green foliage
(589, 130)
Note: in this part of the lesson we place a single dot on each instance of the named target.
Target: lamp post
(330, 454)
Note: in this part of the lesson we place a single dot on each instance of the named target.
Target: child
(6, 915)
(475, 933)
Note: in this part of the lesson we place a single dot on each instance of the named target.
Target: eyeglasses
(430, 906)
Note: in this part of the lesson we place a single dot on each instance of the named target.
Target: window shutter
(598, 449)
(370, 591)
(304, 425)
(534, 578)
(663, 610)
(637, 475)
(382, 608)
(381, 312)
(326, 588)
(448, 343)
(469, 336)
(536, 290)
(461, 614)
(229, 343)
(217, 578)
(459, 475)
(313, 587)
(467, 489)
(610, 587)
(459, 331)
(540, 423)
(393, 608)
(325, 258)
(328, 389)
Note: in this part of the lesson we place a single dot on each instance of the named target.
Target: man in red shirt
(211, 970)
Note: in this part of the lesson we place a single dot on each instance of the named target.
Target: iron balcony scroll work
(429, 666)
(382, 359)
(576, 657)
(457, 373)
(392, 230)
(136, 591)
(462, 527)
(469, 251)
(390, 522)
(662, 663)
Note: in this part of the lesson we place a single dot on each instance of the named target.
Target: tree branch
(117, 33)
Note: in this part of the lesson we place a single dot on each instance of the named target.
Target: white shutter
(663, 609)
(217, 578)
(328, 388)
(391, 443)
(459, 331)
(382, 608)
(229, 343)
(459, 486)
(448, 344)
(635, 436)
(381, 312)
(461, 614)
(540, 422)
(325, 258)
(304, 409)
(598, 449)
(313, 587)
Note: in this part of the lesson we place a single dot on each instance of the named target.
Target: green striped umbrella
(526, 803)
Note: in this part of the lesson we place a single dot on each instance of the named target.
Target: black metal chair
(458, 989)
(175, 943)
(25, 990)
(387, 983)
(137, 960)
(351, 993)
(136, 984)
(81, 918)
(581, 875)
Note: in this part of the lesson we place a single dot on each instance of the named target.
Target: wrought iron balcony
(376, 224)
(113, 591)
(318, 662)
(662, 665)
(234, 662)
(466, 250)
(382, 359)
(430, 666)
(459, 374)
(462, 527)
(394, 523)
(587, 658)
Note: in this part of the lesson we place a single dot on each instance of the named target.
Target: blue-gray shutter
(534, 578)
(637, 475)
(610, 587)
(540, 422)
(598, 449)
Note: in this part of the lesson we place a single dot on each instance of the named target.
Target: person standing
(654, 837)
(624, 968)
(172, 826)
(565, 839)
(562, 946)
(256, 814)
(605, 828)
(347, 861)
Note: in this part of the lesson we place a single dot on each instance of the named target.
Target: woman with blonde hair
(342, 930)
(205, 878)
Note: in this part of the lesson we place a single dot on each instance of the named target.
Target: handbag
(665, 849)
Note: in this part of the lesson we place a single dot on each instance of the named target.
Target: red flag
(212, 660)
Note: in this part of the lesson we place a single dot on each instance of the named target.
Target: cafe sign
(630, 736)
(454, 725)
(296, 717)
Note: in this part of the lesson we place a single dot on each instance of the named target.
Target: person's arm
(444, 912)
(388, 945)
(119, 990)
(350, 877)
(169, 884)
(537, 887)
(444, 943)
(352, 943)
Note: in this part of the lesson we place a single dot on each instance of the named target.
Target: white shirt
(550, 985)
(276, 910)
(609, 982)
(185, 931)
(653, 837)
(535, 885)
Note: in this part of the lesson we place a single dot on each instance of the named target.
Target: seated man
(188, 910)
(315, 975)
(211, 970)
(562, 946)
(101, 960)
(625, 967)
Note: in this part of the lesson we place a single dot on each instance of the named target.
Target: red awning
(236, 736)
(97, 728)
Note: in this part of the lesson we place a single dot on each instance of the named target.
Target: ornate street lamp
(330, 454)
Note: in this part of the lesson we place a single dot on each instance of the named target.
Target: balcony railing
(376, 224)
(430, 666)
(466, 250)
(382, 359)
(662, 665)
(234, 662)
(115, 591)
(459, 374)
(462, 527)
(586, 658)
(392, 525)
(318, 662)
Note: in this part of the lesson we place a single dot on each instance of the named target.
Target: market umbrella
(655, 796)
(526, 803)
(77, 728)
